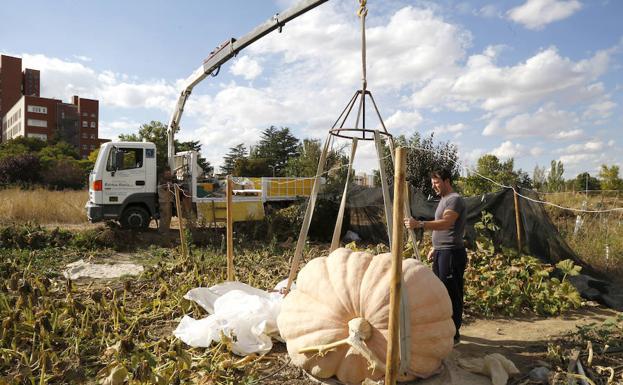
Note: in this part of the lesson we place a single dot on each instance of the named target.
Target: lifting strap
(335, 241)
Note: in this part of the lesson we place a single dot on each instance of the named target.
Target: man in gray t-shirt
(448, 252)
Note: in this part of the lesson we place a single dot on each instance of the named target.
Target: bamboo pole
(230, 231)
(393, 348)
(517, 219)
(180, 219)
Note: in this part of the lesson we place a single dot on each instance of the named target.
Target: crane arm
(223, 53)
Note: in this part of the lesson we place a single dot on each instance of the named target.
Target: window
(37, 123)
(43, 137)
(92, 147)
(38, 109)
(130, 158)
(92, 115)
(85, 114)
(92, 136)
(92, 124)
(84, 135)
(84, 123)
(84, 146)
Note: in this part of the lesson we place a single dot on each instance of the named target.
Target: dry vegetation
(43, 206)
(599, 237)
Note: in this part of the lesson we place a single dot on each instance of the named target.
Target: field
(119, 331)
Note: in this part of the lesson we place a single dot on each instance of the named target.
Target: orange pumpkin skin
(331, 291)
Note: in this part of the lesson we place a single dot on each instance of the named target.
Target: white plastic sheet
(245, 314)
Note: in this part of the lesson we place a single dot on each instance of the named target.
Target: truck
(124, 185)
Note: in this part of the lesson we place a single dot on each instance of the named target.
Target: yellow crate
(216, 211)
(290, 187)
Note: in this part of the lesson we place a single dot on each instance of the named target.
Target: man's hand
(430, 254)
(410, 223)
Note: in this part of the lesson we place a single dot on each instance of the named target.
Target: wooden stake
(230, 230)
(393, 348)
(180, 219)
(517, 220)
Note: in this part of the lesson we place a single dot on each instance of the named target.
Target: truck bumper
(95, 213)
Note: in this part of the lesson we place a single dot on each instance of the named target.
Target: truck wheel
(135, 218)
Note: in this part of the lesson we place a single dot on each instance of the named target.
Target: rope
(511, 188)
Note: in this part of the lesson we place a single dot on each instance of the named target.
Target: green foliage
(502, 172)
(276, 146)
(510, 284)
(539, 178)
(423, 155)
(229, 162)
(306, 164)
(585, 181)
(251, 167)
(610, 178)
(555, 181)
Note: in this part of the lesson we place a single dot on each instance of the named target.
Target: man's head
(441, 180)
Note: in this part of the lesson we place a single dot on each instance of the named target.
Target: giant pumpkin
(335, 322)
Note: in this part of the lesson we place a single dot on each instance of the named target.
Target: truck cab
(123, 184)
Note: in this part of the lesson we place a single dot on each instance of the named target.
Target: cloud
(123, 125)
(536, 14)
(547, 121)
(449, 129)
(82, 58)
(590, 146)
(505, 90)
(488, 11)
(402, 121)
(61, 79)
(508, 149)
(246, 67)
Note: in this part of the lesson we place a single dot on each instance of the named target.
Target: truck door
(125, 174)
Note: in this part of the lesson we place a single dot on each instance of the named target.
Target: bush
(64, 174)
(22, 169)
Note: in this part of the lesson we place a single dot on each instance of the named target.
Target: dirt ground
(522, 340)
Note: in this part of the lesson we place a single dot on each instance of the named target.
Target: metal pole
(230, 231)
(393, 349)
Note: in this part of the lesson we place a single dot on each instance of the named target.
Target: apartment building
(25, 113)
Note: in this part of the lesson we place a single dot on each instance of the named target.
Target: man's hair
(441, 173)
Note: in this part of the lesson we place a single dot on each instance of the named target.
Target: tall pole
(393, 349)
(230, 231)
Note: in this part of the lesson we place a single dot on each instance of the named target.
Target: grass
(42, 206)
(599, 238)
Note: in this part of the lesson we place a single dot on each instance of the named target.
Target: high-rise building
(25, 113)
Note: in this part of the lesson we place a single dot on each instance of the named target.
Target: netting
(540, 236)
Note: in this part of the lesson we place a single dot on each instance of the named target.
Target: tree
(306, 163)
(585, 181)
(251, 167)
(610, 178)
(24, 169)
(538, 177)
(555, 181)
(276, 146)
(503, 173)
(229, 161)
(423, 155)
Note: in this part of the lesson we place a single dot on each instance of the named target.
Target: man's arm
(447, 220)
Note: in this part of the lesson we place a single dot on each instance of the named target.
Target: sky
(532, 80)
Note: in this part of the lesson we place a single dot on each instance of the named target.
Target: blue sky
(535, 80)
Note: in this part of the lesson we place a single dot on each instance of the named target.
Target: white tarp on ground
(236, 309)
(80, 269)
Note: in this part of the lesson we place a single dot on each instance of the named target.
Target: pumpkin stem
(359, 331)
